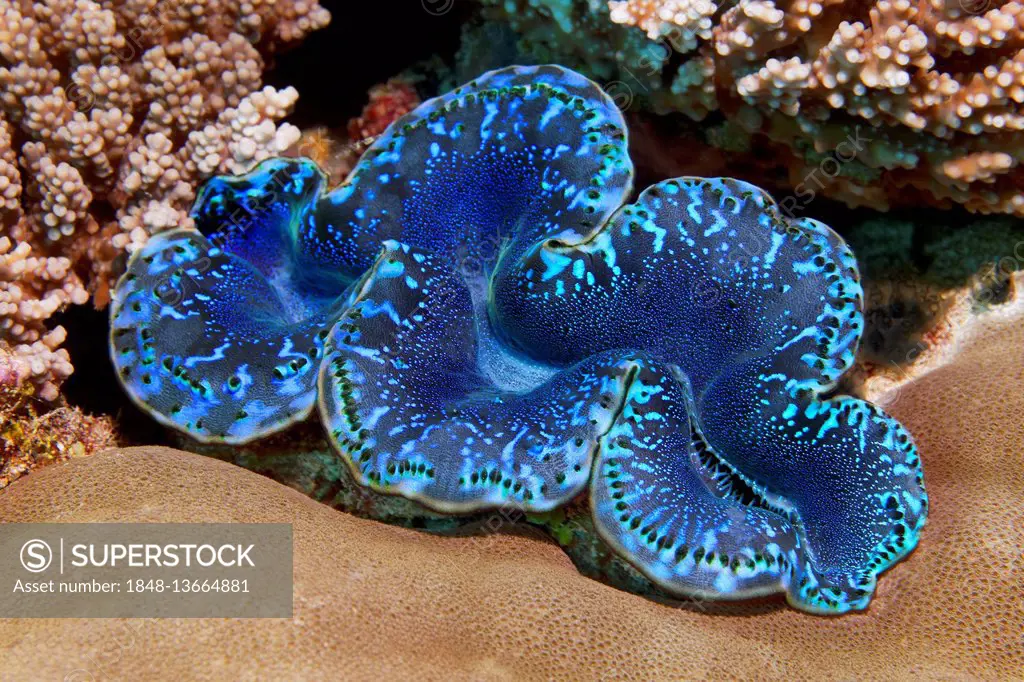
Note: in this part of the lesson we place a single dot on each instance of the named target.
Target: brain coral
(933, 88)
(110, 114)
(486, 324)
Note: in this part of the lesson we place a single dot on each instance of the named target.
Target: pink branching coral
(111, 113)
(33, 288)
(685, 20)
(941, 89)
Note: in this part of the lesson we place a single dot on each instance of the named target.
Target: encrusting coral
(930, 93)
(111, 113)
(484, 323)
(31, 290)
(388, 101)
(31, 436)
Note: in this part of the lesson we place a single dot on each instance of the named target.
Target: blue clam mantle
(481, 321)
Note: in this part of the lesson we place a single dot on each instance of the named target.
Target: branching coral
(486, 324)
(110, 115)
(936, 86)
(32, 288)
(687, 21)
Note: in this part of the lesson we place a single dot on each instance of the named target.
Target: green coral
(991, 248)
(575, 33)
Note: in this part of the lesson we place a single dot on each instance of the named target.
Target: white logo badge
(36, 556)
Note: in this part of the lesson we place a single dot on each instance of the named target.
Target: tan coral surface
(375, 601)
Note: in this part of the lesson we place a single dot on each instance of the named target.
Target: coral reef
(503, 604)
(110, 114)
(337, 152)
(31, 437)
(528, 328)
(876, 104)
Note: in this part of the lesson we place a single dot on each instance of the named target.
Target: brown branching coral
(944, 105)
(935, 88)
(111, 113)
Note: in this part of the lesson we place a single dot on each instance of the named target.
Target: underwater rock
(528, 330)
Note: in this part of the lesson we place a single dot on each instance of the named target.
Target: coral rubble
(31, 433)
(930, 93)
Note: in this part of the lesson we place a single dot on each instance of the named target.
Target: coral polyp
(483, 321)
